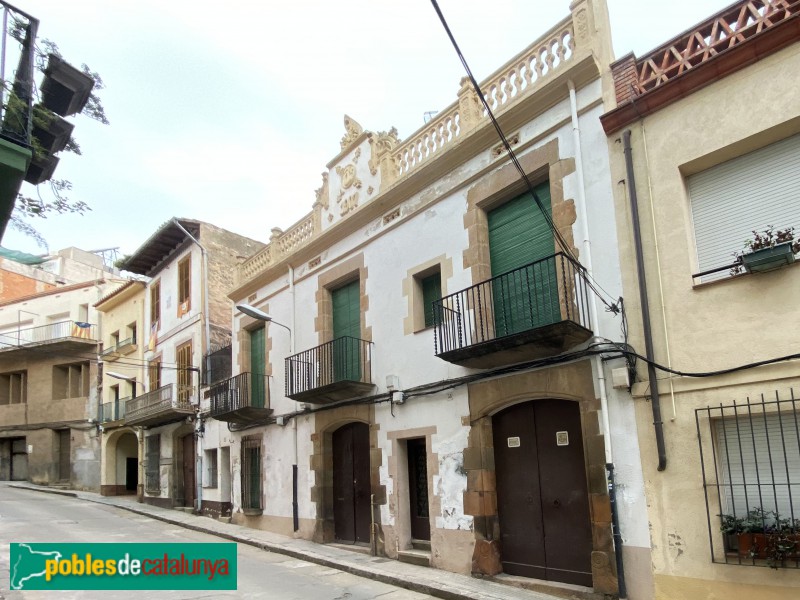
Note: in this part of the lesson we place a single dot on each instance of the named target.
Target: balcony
(536, 311)
(159, 407)
(64, 335)
(119, 350)
(114, 410)
(242, 399)
(338, 370)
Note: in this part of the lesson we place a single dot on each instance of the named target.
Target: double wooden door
(542, 497)
(351, 484)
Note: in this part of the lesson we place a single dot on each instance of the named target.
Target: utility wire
(566, 247)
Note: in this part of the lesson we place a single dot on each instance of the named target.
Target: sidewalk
(425, 580)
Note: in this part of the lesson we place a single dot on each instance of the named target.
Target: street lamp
(260, 315)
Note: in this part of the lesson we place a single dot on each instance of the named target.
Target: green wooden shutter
(431, 291)
(346, 302)
(257, 367)
(519, 235)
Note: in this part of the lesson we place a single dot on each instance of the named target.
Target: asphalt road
(29, 516)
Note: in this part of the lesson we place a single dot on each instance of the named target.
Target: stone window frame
(539, 164)
(335, 277)
(399, 506)
(248, 324)
(414, 322)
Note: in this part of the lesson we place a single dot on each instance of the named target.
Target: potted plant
(762, 535)
(769, 249)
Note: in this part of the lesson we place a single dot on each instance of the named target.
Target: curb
(353, 569)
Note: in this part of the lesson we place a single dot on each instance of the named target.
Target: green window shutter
(520, 235)
(257, 367)
(346, 302)
(431, 291)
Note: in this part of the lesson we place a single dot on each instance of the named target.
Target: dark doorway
(418, 489)
(131, 473)
(542, 499)
(351, 484)
(19, 460)
(188, 469)
(63, 454)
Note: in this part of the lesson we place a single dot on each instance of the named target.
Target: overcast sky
(228, 112)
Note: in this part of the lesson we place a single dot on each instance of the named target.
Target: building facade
(190, 266)
(417, 364)
(48, 373)
(122, 379)
(705, 143)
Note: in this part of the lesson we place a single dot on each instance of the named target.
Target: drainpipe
(207, 345)
(295, 511)
(655, 400)
(597, 364)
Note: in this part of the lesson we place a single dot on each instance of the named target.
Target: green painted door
(346, 332)
(258, 362)
(526, 298)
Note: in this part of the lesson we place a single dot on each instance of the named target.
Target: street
(29, 516)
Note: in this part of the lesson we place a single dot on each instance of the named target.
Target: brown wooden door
(188, 470)
(418, 489)
(63, 454)
(542, 498)
(351, 485)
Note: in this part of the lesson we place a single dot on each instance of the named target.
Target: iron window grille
(211, 468)
(750, 462)
(152, 478)
(251, 473)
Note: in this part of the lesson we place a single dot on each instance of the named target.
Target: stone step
(421, 545)
(415, 557)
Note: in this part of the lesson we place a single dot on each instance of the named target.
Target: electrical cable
(523, 175)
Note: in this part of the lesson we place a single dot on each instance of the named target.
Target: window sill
(252, 512)
(737, 277)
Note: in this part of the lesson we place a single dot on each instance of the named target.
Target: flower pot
(41, 169)
(51, 130)
(65, 89)
(767, 259)
(752, 545)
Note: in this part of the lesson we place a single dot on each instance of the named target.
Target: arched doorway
(542, 497)
(351, 483)
(120, 473)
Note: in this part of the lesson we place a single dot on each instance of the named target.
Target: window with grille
(184, 360)
(184, 285)
(152, 464)
(154, 373)
(750, 458)
(155, 304)
(211, 468)
(13, 388)
(251, 473)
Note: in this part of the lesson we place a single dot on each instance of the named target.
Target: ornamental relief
(347, 205)
(352, 131)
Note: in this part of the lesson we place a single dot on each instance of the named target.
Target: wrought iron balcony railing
(238, 393)
(118, 349)
(114, 410)
(52, 332)
(512, 309)
(337, 369)
(161, 405)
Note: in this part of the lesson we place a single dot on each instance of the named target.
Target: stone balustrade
(518, 77)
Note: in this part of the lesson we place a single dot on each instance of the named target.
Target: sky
(228, 112)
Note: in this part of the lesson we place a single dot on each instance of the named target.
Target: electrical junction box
(619, 378)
